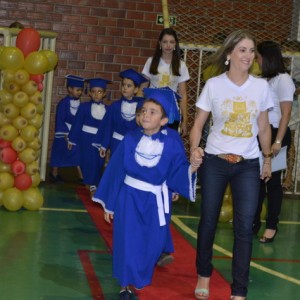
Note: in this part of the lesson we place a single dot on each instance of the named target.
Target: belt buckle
(232, 158)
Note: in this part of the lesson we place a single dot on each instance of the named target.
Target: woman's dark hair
(272, 60)
(175, 64)
(16, 25)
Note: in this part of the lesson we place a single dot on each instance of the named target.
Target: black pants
(273, 190)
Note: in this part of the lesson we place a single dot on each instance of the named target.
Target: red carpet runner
(177, 280)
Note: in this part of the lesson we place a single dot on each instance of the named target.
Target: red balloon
(4, 144)
(18, 167)
(8, 155)
(28, 40)
(23, 182)
(38, 78)
(40, 87)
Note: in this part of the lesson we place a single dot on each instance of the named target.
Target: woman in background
(282, 89)
(166, 68)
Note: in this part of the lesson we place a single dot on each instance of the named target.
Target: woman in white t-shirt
(238, 103)
(282, 88)
(166, 68)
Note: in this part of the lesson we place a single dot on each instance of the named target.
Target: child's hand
(108, 217)
(196, 158)
(102, 152)
(175, 196)
(70, 146)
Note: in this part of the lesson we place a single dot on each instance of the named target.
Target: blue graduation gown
(140, 235)
(64, 118)
(118, 121)
(88, 121)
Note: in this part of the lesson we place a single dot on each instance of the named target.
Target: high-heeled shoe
(202, 293)
(266, 240)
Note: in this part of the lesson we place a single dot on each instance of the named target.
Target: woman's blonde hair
(218, 59)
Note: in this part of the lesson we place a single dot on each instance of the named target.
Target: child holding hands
(136, 187)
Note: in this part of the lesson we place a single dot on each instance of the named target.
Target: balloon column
(21, 117)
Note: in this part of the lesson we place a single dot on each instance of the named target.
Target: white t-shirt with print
(235, 111)
(282, 89)
(164, 76)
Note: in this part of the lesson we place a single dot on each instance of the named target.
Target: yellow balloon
(11, 58)
(36, 63)
(28, 155)
(1, 197)
(8, 75)
(8, 132)
(2, 48)
(228, 190)
(226, 213)
(263, 212)
(255, 69)
(4, 168)
(12, 199)
(5, 97)
(36, 179)
(6, 180)
(209, 72)
(52, 58)
(33, 199)
(227, 199)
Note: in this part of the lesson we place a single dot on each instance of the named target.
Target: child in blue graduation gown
(121, 117)
(66, 110)
(135, 191)
(88, 121)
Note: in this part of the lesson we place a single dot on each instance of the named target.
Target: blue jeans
(244, 178)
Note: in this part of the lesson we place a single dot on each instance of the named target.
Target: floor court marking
(94, 283)
(193, 234)
(64, 210)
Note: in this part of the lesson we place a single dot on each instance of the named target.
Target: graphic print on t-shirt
(238, 114)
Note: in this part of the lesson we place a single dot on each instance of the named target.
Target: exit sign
(160, 20)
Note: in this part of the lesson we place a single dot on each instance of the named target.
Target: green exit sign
(160, 20)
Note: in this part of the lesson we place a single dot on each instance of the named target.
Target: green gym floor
(51, 253)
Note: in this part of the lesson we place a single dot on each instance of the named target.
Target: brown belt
(231, 158)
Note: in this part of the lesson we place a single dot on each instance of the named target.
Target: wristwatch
(277, 142)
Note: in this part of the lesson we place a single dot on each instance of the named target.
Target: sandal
(202, 293)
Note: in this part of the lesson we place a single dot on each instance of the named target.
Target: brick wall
(101, 38)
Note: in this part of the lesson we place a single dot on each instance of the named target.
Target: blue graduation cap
(167, 98)
(98, 82)
(136, 77)
(140, 102)
(75, 81)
